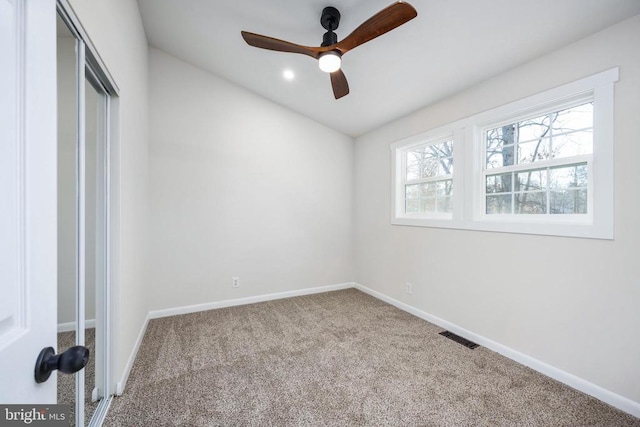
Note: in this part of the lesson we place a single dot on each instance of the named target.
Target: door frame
(89, 63)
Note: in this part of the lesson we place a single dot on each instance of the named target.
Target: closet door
(83, 221)
(95, 240)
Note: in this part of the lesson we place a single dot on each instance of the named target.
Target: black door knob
(68, 362)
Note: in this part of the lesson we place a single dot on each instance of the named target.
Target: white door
(27, 197)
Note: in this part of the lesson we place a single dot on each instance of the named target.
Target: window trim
(468, 194)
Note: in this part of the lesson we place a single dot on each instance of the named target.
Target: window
(540, 165)
(428, 178)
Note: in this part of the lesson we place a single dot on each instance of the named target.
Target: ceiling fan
(329, 54)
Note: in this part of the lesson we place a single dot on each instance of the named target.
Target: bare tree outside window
(429, 182)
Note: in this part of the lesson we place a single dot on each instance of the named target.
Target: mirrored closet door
(85, 94)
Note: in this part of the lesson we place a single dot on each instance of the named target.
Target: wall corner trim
(623, 403)
(132, 357)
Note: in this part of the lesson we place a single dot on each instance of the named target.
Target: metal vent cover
(465, 342)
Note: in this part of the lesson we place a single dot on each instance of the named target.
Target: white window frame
(469, 167)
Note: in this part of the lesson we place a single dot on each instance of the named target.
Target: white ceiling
(451, 45)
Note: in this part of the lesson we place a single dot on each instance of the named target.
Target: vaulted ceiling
(451, 45)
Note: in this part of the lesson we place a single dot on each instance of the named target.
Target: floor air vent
(459, 339)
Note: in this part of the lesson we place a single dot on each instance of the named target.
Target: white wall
(571, 303)
(116, 30)
(241, 187)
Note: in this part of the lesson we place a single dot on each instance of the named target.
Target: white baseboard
(600, 393)
(132, 357)
(155, 314)
(71, 326)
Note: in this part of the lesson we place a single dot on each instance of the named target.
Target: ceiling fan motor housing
(329, 38)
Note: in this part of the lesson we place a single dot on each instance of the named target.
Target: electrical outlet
(408, 287)
(235, 282)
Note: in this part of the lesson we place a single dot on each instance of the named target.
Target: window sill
(559, 229)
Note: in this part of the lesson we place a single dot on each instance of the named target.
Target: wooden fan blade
(339, 84)
(270, 43)
(382, 22)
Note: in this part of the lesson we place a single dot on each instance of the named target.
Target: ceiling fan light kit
(330, 62)
(330, 52)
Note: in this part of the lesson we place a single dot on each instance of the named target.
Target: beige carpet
(335, 359)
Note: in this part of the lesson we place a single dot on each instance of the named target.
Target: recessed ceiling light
(288, 75)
